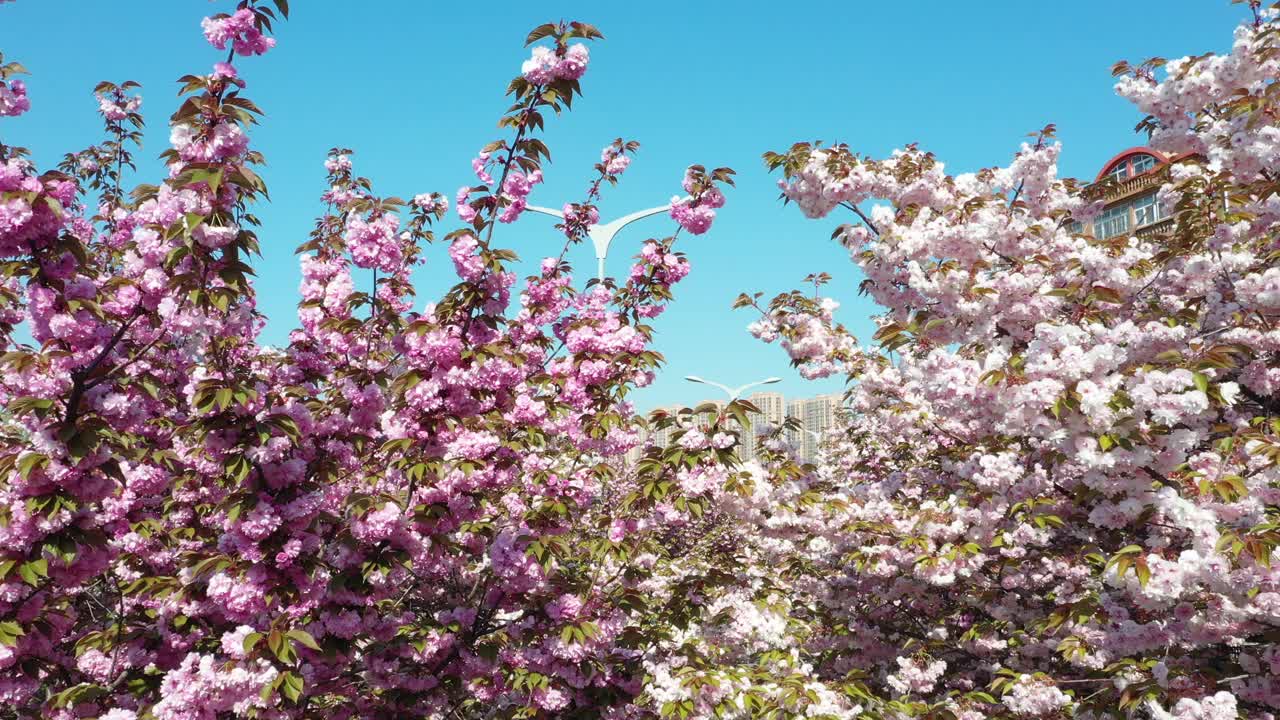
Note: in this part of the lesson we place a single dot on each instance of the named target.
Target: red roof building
(1129, 182)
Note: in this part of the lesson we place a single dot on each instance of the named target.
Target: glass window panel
(1146, 210)
(1143, 163)
(1112, 222)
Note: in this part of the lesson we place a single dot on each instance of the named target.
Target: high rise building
(662, 437)
(773, 411)
(816, 415)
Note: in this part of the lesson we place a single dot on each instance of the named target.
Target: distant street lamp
(804, 449)
(734, 393)
(602, 235)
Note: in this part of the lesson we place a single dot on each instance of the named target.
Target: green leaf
(542, 31)
(9, 633)
(1106, 294)
(31, 572)
(1201, 381)
(251, 640)
(291, 685)
(303, 638)
(1143, 572)
(82, 693)
(29, 462)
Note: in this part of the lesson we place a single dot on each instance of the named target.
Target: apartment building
(816, 415)
(1128, 182)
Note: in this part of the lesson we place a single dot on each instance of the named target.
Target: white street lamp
(734, 393)
(809, 449)
(602, 234)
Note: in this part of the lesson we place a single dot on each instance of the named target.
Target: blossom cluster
(375, 242)
(696, 211)
(579, 218)
(614, 159)
(548, 65)
(116, 109)
(388, 515)
(13, 98)
(1051, 492)
(513, 196)
(241, 29)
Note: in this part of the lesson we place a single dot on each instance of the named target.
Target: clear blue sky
(416, 88)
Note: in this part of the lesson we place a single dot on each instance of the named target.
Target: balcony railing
(1125, 188)
(1163, 226)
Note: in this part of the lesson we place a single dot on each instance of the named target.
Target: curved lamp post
(602, 234)
(734, 393)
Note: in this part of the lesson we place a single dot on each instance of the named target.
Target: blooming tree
(1055, 492)
(407, 511)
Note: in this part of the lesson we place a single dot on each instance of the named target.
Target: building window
(1112, 222)
(1146, 210)
(1119, 173)
(1142, 163)
(1131, 166)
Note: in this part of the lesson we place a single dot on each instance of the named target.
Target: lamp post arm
(603, 235)
(728, 390)
(725, 388)
(738, 392)
(613, 226)
(545, 211)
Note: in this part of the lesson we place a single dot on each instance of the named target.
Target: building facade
(1128, 183)
(773, 412)
(816, 415)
